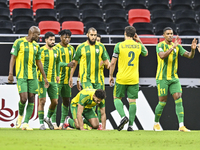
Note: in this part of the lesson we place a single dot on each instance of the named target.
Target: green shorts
(64, 90)
(89, 85)
(27, 85)
(87, 113)
(52, 90)
(132, 90)
(173, 85)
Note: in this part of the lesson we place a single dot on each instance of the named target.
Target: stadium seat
(117, 28)
(76, 27)
(99, 26)
(149, 40)
(138, 15)
(158, 5)
(66, 4)
(143, 28)
(19, 4)
(185, 16)
(135, 4)
(22, 27)
(89, 4)
(6, 26)
(22, 14)
(92, 15)
(198, 16)
(69, 15)
(181, 5)
(161, 16)
(46, 26)
(160, 26)
(4, 14)
(197, 5)
(41, 4)
(46, 15)
(115, 15)
(3, 3)
(112, 4)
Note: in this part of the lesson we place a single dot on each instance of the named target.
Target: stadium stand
(46, 15)
(185, 16)
(41, 4)
(181, 5)
(66, 4)
(158, 5)
(19, 4)
(6, 26)
(136, 4)
(114, 15)
(148, 40)
(91, 15)
(22, 14)
(76, 27)
(99, 26)
(197, 5)
(161, 16)
(112, 4)
(46, 26)
(22, 27)
(69, 15)
(3, 3)
(138, 15)
(160, 26)
(4, 14)
(144, 28)
(89, 4)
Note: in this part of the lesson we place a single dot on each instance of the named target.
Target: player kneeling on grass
(82, 104)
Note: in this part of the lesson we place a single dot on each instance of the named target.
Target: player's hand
(10, 78)
(198, 47)
(70, 82)
(78, 85)
(107, 66)
(111, 81)
(136, 38)
(176, 42)
(194, 44)
(82, 129)
(57, 79)
(71, 64)
(46, 83)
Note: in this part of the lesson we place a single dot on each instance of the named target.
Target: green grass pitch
(16, 139)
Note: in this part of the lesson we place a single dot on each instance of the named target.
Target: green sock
(99, 114)
(86, 122)
(132, 112)
(41, 116)
(72, 123)
(50, 113)
(179, 110)
(53, 117)
(119, 106)
(21, 108)
(29, 111)
(159, 110)
(64, 113)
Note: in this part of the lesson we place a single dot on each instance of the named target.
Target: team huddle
(50, 69)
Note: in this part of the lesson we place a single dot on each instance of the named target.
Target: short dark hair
(167, 28)
(92, 28)
(65, 32)
(99, 93)
(130, 31)
(98, 35)
(48, 34)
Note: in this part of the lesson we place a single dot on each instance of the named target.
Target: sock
(119, 107)
(132, 112)
(181, 124)
(61, 124)
(86, 122)
(29, 111)
(53, 117)
(159, 110)
(64, 113)
(21, 108)
(41, 116)
(99, 114)
(50, 113)
(179, 110)
(71, 123)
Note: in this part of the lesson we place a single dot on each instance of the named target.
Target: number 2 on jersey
(132, 55)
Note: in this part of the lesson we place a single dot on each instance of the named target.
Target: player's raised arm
(192, 52)
(136, 38)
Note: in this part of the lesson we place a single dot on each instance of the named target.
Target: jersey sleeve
(58, 63)
(181, 50)
(143, 50)
(102, 104)
(38, 55)
(84, 99)
(116, 50)
(160, 48)
(15, 48)
(77, 54)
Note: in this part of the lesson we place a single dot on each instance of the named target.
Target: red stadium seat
(52, 26)
(148, 40)
(138, 15)
(76, 27)
(41, 4)
(19, 4)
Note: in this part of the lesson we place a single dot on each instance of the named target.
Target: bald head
(33, 29)
(33, 33)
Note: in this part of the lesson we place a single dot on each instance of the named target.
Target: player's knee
(55, 101)
(42, 101)
(95, 125)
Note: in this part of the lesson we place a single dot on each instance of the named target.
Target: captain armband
(115, 55)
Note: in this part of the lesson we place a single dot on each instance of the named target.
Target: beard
(50, 45)
(91, 42)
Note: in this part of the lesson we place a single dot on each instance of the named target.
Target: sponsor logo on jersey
(88, 51)
(46, 55)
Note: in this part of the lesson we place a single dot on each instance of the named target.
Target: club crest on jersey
(175, 50)
(70, 52)
(97, 50)
(12, 50)
(34, 48)
(55, 55)
(160, 49)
